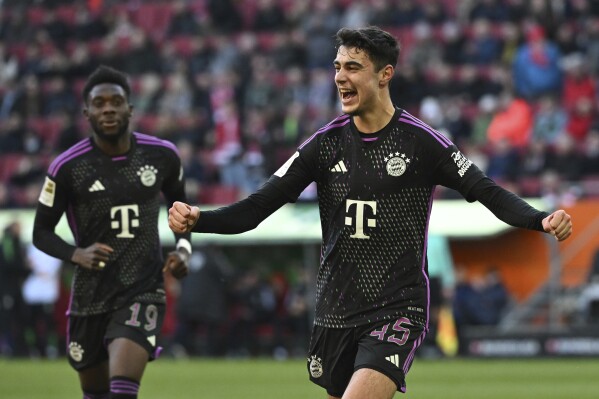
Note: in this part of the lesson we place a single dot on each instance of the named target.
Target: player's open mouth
(347, 95)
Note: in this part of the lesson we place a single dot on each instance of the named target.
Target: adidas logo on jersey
(393, 359)
(340, 167)
(97, 186)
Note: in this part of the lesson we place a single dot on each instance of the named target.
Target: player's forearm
(507, 206)
(233, 219)
(49, 242)
(244, 215)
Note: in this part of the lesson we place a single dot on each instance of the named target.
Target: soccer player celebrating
(109, 185)
(376, 168)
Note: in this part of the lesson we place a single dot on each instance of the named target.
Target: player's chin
(350, 109)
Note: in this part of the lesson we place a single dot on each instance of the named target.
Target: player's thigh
(127, 358)
(132, 337)
(389, 350)
(95, 379)
(370, 384)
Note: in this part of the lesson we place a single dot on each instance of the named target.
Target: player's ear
(386, 74)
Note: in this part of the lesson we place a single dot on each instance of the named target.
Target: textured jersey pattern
(116, 201)
(378, 278)
(375, 200)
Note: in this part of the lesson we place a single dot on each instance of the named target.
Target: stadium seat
(9, 163)
(590, 186)
(218, 194)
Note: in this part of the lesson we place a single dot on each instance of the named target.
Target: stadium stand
(43, 40)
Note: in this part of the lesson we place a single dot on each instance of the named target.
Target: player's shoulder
(332, 128)
(422, 131)
(75, 152)
(145, 140)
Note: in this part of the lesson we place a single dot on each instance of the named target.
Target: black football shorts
(336, 353)
(89, 336)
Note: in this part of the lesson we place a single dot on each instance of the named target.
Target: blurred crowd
(237, 85)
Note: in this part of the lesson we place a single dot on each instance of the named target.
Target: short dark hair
(381, 46)
(106, 74)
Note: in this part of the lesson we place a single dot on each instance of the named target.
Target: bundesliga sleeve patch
(48, 193)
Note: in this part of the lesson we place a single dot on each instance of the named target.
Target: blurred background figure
(40, 293)
(201, 307)
(13, 271)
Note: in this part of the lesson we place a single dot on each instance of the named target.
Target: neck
(375, 119)
(113, 148)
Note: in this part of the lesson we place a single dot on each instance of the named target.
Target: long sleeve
(507, 206)
(243, 215)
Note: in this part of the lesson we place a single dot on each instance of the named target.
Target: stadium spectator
(503, 164)
(369, 258)
(534, 159)
(118, 298)
(268, 17)
(184, 21)
(453, 43)
(483, 48)
(426, 50)
(512, 121)
(536, 67)
(487, 106)
(578, 83)
(9, 66)
(565, 160)
(581, 118)
(549, 120)
(491, 10)
(400, 14)
(13, 271)
(201, 306)
(591, 153)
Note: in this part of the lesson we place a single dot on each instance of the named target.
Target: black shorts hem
(398, 384)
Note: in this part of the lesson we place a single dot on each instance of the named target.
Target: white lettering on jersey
(461, 162)
(48, 193)
(283, 169)
(121, 219)
(359, 217)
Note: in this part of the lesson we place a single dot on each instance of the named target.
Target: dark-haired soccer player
(109, 186)
(376, 168)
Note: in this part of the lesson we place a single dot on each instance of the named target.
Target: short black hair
(106, 74)
(381, 46)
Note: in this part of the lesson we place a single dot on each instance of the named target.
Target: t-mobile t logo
(360, 217)
(124, 217)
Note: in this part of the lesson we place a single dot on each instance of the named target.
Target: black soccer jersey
(375, 201)
(115, 201)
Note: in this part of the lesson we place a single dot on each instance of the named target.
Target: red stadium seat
(218, 194)
(9, 163)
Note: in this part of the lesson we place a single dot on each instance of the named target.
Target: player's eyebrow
(349, 64)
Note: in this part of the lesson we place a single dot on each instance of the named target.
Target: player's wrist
(184, 248)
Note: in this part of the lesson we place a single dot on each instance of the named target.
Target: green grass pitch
(265, 379)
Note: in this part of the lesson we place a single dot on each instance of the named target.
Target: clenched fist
(558, 224)
(182, 217)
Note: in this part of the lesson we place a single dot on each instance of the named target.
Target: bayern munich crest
(75, 351)
(147, 175)
(396, 164)
(315, 366)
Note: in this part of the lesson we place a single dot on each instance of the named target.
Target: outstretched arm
(237, 218)
(514, 211)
